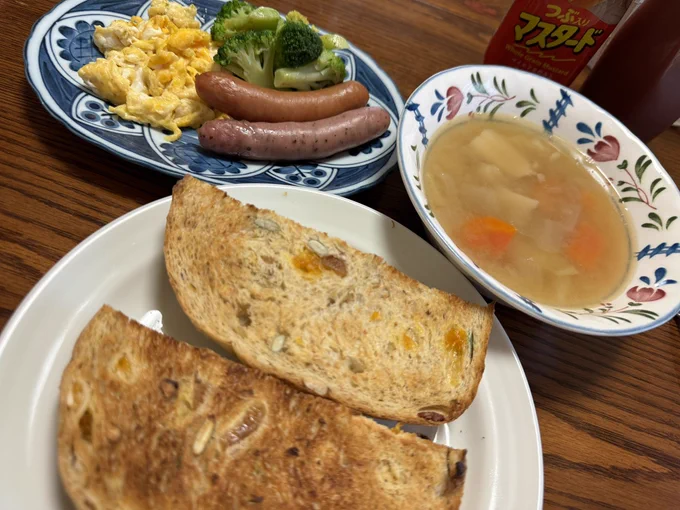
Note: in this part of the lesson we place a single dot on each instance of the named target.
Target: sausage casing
(244, 101)
(294, 141)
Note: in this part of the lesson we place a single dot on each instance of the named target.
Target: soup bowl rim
(488, 282)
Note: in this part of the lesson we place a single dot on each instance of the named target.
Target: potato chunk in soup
(528, 209)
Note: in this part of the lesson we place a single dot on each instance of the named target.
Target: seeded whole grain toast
(146, 422)
(308, 308)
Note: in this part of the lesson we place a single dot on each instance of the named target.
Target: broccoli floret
(330, 41)
(326, 70)
(234, 8)
(334, 42)
(231, 13)
(295, 16)
(218, 32)
(238, 16)
(250, 56)
(296, 45)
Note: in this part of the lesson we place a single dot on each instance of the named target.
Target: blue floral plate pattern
(61, 43)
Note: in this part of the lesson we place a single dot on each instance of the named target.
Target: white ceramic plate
(122, 264)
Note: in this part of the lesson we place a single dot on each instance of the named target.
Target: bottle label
(553, 38)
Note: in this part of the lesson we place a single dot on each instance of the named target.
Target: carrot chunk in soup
(489, 234)
(585, 247)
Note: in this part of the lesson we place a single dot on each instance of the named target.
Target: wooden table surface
(608, 408)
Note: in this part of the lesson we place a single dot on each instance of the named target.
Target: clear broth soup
(529, 209)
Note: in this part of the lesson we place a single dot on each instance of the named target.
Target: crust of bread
(149, 422)
(310, 309)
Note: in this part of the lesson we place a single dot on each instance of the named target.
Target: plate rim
(26, 303)
(56, 113)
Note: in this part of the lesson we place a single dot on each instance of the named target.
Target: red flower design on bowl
(606, 149)
(454, 98)
(645, 294)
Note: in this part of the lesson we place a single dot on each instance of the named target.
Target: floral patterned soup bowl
(652, 294)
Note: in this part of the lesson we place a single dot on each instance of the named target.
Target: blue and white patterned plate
(61, 43)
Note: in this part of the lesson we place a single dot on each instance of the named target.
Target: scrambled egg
(150, 67)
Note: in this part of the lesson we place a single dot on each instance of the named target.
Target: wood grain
(608, 408)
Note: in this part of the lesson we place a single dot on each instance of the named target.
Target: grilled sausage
(245, 101)
(294, 140)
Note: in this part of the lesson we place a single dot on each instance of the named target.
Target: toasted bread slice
(320, 314)
(146, 422)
